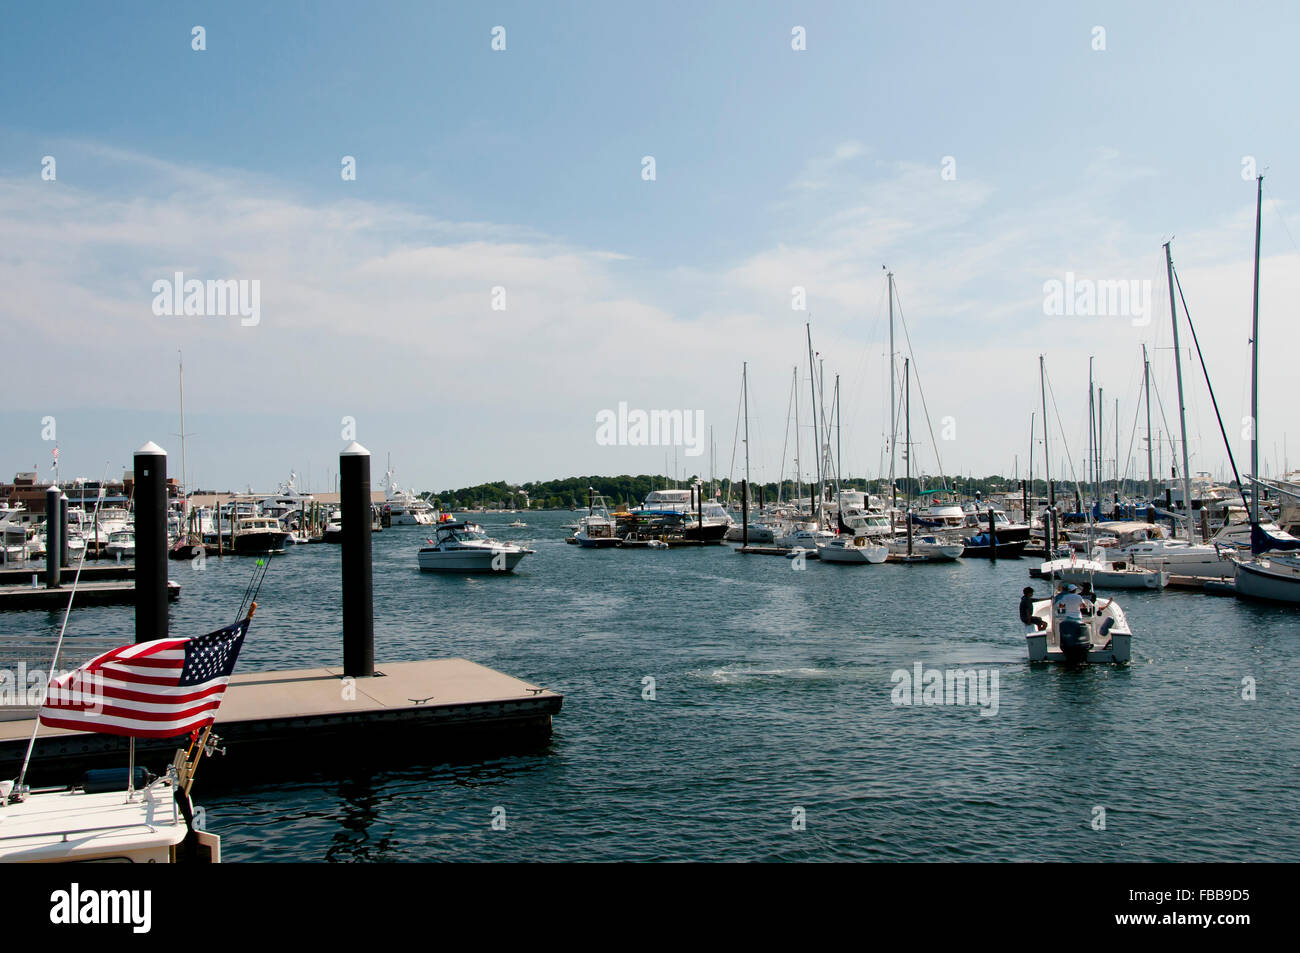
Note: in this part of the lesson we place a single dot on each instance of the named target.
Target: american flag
(157, 689)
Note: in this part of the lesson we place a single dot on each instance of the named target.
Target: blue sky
(522, 169)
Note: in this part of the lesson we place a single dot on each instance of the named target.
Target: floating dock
(776, 551)
(88, 594)
(429, 711)
(21, 577)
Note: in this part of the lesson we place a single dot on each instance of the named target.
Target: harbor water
(728, 707)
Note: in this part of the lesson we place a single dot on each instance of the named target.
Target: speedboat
(1105, 629)
(596, 529)
(852, 549)
(805, 536)
(517, 524)
(464, 547)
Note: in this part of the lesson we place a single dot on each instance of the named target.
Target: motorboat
(517, 524)
(1145, 545)
(928, 548)
(596, 529)
(852, 549)
(805, 536)
(257, 535)
(700, 521)
(1104, 575)
(120, 545)
(464, 547)
(1105, 629)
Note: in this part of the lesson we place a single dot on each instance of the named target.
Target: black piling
(65, 558)
(358, 585)
(150, 475)
(993, 537)
(53, 545)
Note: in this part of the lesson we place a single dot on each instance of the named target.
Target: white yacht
(805, 536)
(1145, 545)
(403, 507)
(464, 547)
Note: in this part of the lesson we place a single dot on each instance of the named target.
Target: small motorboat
(517, 524)
(852, 549)
(464, 547)
(1104, 634)
(259, 535)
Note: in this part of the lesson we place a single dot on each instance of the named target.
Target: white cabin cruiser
(121, 545)
(464, 547)
(805, 536)
(1104, 575)
(852, 549)
(403, 507)
(925, 549)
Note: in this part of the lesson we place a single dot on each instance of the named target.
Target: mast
(1182, 410)
(812, 384)
(1101, 454)
(1146, 387)
(893, 429)
(907, 447)
(798, 477)
(180, 375)
(744, 388)
(1254, 363)
(839, 501)
(1092, 429)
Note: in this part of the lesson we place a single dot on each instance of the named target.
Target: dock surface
(108, 592)
(419, 708)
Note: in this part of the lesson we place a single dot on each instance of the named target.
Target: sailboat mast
(744, 387)
(1101, 454)
(798, 456)
(1182, 410)
(1092, 429)
(907, 447)
(1254, 362)
(1047, 451)
(180, 376)
(893, 429)
(1146, 387)
(815, 499)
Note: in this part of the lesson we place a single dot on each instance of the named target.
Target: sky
(503, 267)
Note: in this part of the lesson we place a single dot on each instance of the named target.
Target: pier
(325, 719)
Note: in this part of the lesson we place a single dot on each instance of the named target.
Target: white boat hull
(873, 555)
(463, 561)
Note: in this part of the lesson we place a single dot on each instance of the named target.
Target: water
(773, 694)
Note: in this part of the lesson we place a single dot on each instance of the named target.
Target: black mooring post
(150, 476)
(52, 544)
(993, 537)
(358, 586)
(65, 559)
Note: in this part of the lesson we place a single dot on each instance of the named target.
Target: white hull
(463, 561)
(853, 554)
(1113, 646)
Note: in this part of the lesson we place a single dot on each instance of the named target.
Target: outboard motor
(1074, 640)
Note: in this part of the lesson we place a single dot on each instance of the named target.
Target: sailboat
(1273, 572)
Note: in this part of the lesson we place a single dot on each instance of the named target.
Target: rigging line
(1173, 444)
(1227, 446)
(924, 407)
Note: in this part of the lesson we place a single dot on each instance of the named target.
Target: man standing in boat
(1069, 609)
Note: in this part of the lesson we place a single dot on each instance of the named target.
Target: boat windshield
(466, 535)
